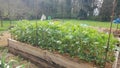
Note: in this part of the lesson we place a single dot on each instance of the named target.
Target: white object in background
(43, 17)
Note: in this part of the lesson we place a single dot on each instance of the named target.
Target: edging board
(116, 59)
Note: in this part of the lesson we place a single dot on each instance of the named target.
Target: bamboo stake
(35, 6)
(108, 41)
(9, 13)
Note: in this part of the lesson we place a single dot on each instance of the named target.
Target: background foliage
(78, 9)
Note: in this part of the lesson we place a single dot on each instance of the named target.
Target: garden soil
(3, 38)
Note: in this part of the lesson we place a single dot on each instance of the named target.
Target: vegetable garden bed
(43, 58)
(79, 41)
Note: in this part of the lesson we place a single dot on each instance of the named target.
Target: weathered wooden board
(116, 59)
(43, 58)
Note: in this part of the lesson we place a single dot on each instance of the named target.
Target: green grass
(87, 22)
(6, 24)
(92, 23)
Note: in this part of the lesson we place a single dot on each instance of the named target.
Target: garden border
(41, 57)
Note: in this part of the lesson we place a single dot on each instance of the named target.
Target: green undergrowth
(6, 62)
(86, 43)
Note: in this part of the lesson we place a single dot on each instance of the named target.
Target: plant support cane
(109, 37)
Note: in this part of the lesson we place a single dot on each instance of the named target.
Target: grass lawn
(92, 23)
(6, 24)
(87, 22)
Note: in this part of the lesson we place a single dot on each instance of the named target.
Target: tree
(82, 14)
(117, 10)
(106, 11)
(1, 22)
(56, 8)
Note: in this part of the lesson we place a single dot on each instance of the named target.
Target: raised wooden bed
(43, 58)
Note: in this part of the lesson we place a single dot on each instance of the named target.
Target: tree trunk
(1, 22)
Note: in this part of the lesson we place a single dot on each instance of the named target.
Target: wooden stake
(108, 42)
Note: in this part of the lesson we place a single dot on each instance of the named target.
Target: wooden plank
(47, 58)
(116, 59)
(41, 63)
